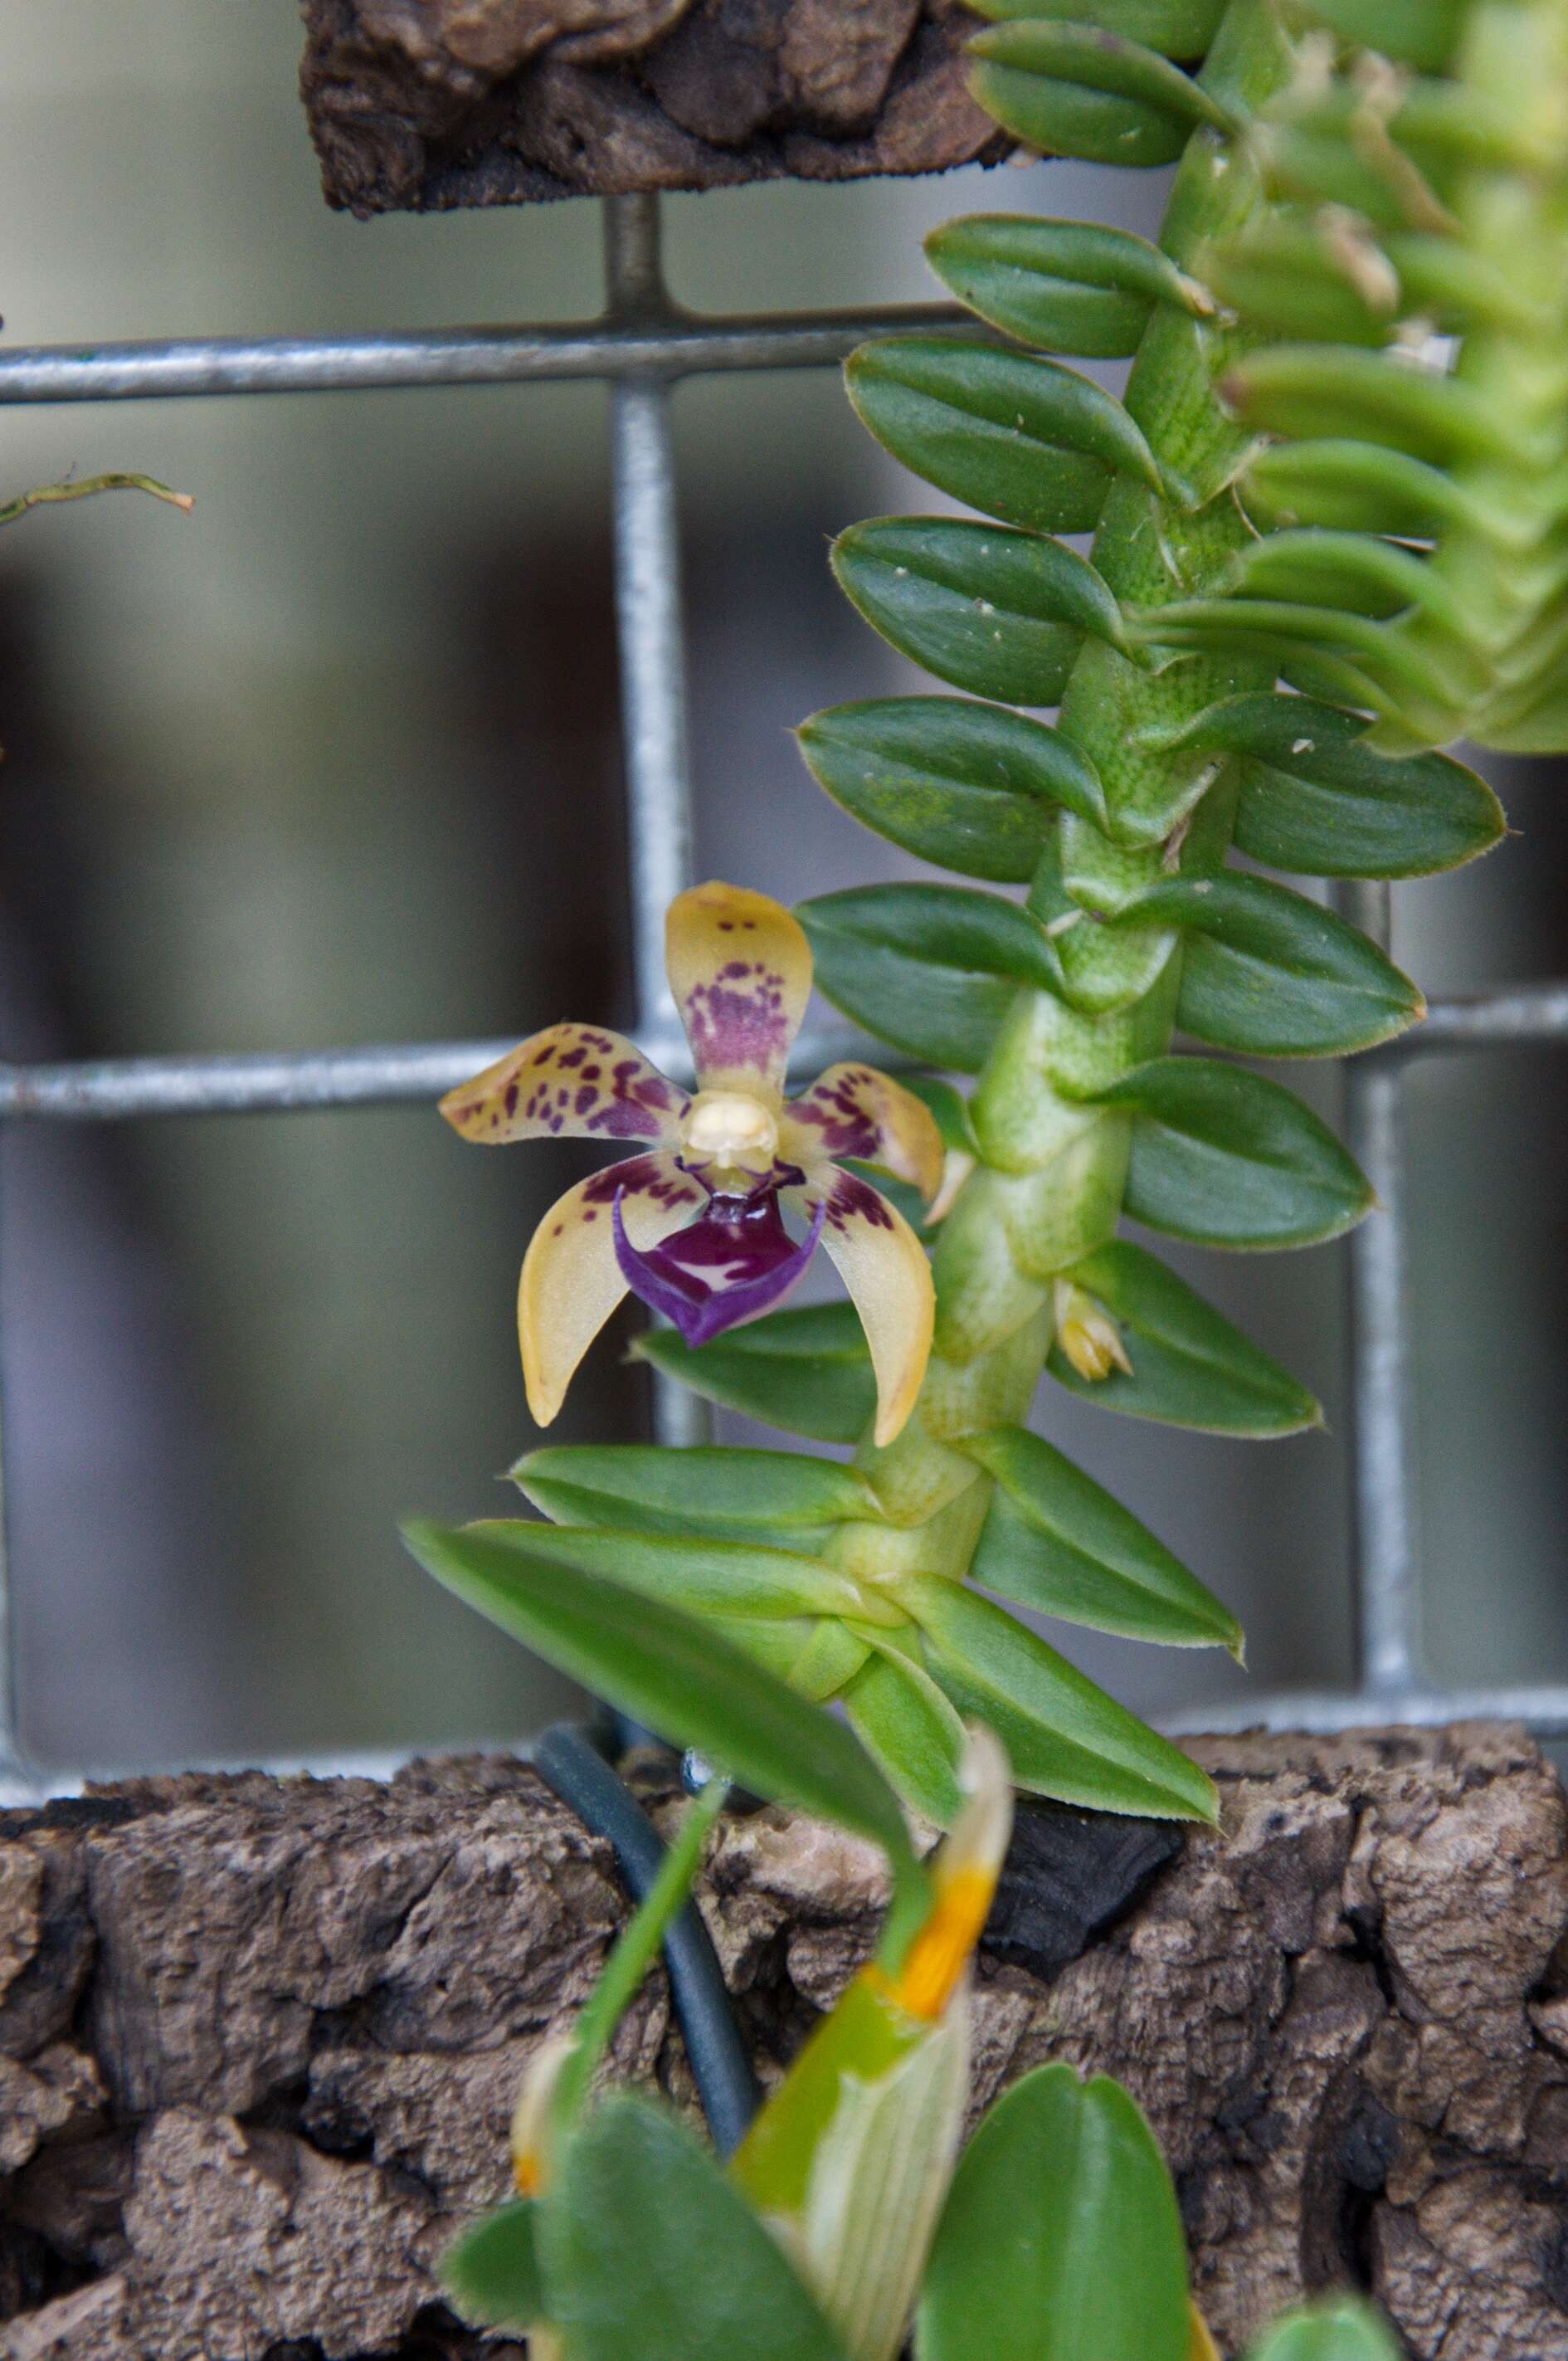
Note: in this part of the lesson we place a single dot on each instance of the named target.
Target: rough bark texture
(424, 104)
(259, 2041)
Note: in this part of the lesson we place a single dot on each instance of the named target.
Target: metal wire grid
(642, 345)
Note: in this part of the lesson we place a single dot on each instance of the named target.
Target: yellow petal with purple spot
(883, 1265)
(740, 968)
(571, 1279)
(570, 1081)
(853, 1110)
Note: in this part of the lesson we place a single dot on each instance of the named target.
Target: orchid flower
(696, 1227)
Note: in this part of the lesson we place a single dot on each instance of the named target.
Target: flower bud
(1087, 1334)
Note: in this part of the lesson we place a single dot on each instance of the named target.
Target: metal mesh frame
(643, 345)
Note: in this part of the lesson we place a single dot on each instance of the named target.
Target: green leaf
(1056, 1541)
(999, 613)
(814, 1655)
(671, 1672)
(1266, 970)
(1359, 486)
(1178, 28)
(1064, 1736)
(932, 969)
(1017, 437)
(950, 1109)
(973, 787)
(490, 2276)
(1318, 389)
(1075, 90)
(808, 1370)
(1317, 800)
(1353, 570)
(1290, 277)
(652, 2250)
(1191, 1367)
(1378, 664)
(1227, 1158)
(1061, 2238)
(1532, 722)
(906, 1723)
(699, 1575)
(779, 1498)
(1343, 2329)
(1287, 276)
(1423, 33)
(1071, 287)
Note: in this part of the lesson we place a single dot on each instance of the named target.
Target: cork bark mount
(258, 2040)
(426, 104)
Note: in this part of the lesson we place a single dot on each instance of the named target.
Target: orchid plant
(846, 2216)
(1330, 534)
(1330, 521)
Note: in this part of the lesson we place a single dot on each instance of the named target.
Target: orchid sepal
(570, 1082)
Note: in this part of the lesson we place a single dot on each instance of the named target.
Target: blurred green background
(336, 760)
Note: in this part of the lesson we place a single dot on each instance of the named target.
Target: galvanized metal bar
(1387, 1591)
(1520, 1015)
(648, 611)
(391, 1073)
(653, 668)
(1383, 1512)
(669, 343)
(1542, 1707)
(120, 1089)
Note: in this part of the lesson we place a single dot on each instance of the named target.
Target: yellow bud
(531, 2129)
(1087, 1334)
(964, 1875)
(1201, 2345)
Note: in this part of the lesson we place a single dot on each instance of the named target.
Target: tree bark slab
(258, 2040)
(426, 104)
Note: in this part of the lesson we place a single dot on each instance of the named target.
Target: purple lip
(735, 1260)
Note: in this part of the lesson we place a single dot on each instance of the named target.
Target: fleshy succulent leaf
(906, 1722)
(969, 786)
(1076, 89)
(1225, 1158)
(676, 1674)
(939, 963)
(492, 2274)
(1017, 437)
(806, 1370)
(1056, 1542)
(1061, 2235)
(1068, 287)
(1064, 1737)
(1268, 972)
(998, 612)
(1317, 800)
(1343, 2329)
(731, 1494)
(651, 2248)
(1190, 1366)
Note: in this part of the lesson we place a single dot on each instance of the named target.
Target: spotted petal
(740, 968)
(883, 1265)
(570, 1279)
(852, 1110)
(570, 1081)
